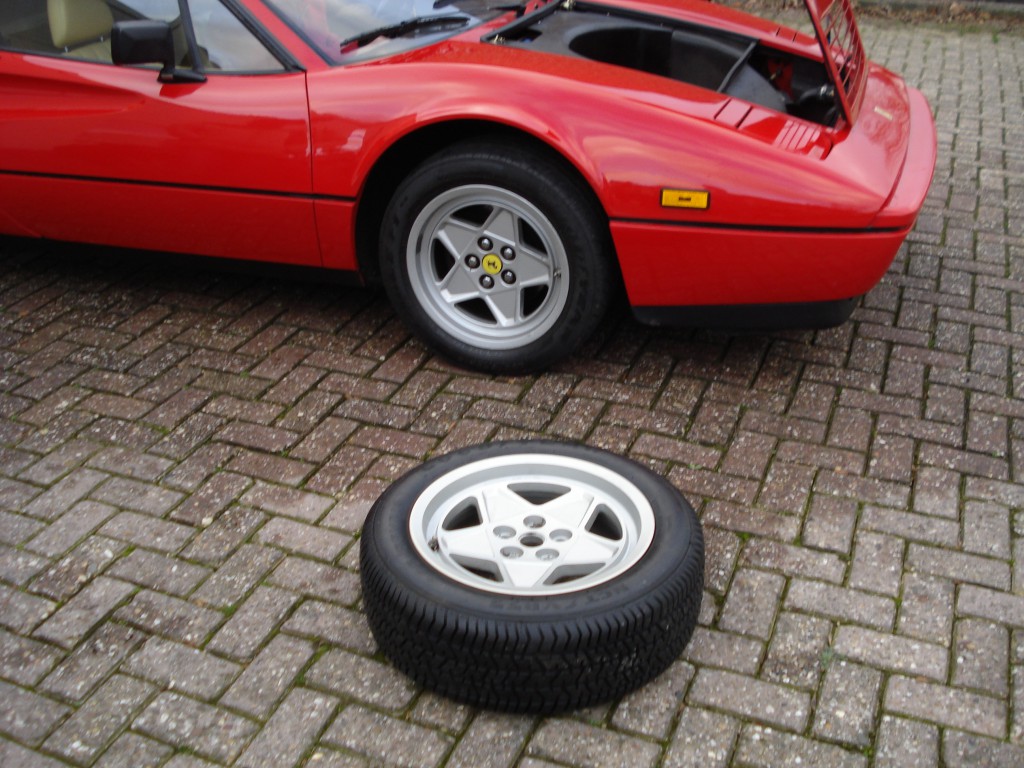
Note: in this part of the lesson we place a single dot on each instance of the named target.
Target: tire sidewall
(677, 539)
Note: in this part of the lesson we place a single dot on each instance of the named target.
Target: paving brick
(906, 525)
(959, 566)
(170, 617)
(238, 576)
(990, 604)
(387, 740)
(77, 617)
(703, 739)
(491, 741)
(69, 529)
(766, 748)
(362, 679)
(181, 668)
(968, 750)
(91, 662)
(747, 697)
(88, 731)
(906, 744)
(187, 724)
(294, 536)
(981, 656)
(134, 751)
(207, 502)
(568, 741)
(333, 624)
(725, 650)
(157, 571)
(71, 489)
(310, 577)
(265, 680)
(73, 571)
(290, 733)
(794, 561)
(25, 661)
(848, 704)
(651, 709)
(949, 707)
(752, 602)
(435, 710)
(287, 501)
(797, 650)
(252, 622)
(26, 716)
(840, 604)
(877, 564)
(892, 652)
(145, 531)
(830, 523)
(216, 543)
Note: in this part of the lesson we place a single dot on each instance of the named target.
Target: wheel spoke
(532, 268)
(503, 225)
(505, 306)
(571, 510)
(458, 285)
(458, 237)
(468, 543)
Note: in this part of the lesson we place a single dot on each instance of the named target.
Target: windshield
(327, 24)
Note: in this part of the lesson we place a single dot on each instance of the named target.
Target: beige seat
(81, 28)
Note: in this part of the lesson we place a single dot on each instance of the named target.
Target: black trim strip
(178, 185)
(751, 317)
(762, 227)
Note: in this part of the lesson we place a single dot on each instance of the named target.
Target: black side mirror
(149, 42)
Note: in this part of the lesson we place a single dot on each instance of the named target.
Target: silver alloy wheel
(532, 524)
(488, 267)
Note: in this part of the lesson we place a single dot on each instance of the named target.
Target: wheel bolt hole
(508, 253)
(534, 521)
(511, 552)
(485, 243)
(561, 535)
(504, 532)
(547, 554)
(472, 261)
(487, 281)
(508, 277)
(531, 540)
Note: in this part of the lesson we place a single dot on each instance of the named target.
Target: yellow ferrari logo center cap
(492, 264)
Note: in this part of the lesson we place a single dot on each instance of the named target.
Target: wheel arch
(406, 153)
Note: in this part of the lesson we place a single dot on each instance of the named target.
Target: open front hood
(843, 50)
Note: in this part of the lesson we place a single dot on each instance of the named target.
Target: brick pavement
(186, 456)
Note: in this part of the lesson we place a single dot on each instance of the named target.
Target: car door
(215, 162)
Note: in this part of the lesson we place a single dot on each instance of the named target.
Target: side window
(80, 29)
(224, 42)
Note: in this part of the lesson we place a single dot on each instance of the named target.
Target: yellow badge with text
(685, 198)
(492, 264)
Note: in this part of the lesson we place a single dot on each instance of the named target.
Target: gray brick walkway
(186, 456)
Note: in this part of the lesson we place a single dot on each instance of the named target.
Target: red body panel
(273, 167)
(108, 154)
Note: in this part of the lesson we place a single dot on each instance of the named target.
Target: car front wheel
(496, 257)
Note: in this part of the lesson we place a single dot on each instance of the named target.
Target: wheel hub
(532, 524)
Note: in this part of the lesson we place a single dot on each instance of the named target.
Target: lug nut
(485, 243)
(487, 281)
(508, 277)
(472, 261)
(508, 253)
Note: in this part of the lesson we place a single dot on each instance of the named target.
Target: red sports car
(500, 168)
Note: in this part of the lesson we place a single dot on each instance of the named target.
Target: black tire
(528, 651)
(560, 246)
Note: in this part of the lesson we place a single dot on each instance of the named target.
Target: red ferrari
(501, 168)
